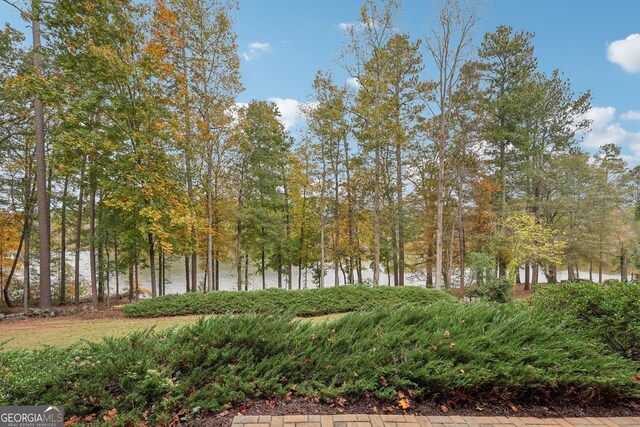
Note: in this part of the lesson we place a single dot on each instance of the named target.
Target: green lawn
(62, 332)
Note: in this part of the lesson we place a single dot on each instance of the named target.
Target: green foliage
(311, 302)
(482, 266)
(611, 311)
(443, 350)
(496, 289)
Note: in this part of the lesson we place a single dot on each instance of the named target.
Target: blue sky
(283, 43)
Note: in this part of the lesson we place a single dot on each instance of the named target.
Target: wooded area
(446, 158)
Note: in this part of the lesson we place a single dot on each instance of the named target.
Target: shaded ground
(370, 406)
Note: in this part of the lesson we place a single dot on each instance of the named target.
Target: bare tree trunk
(63, 243)
(527, 276)
(108, 274)
(246, 272)
(376, 216)
(27, 265)
(14, 264)
(92, 248)
(623, 265)
(137, 278)
(217, 271)
(76, 272)
(117, 266)
(600, 260)
(239, 253)
(209, 236)
(44, 234)
(187, 275)
(131, 282)
(429, 267)
(350, 213)
(152, 265)
(570, 275)
(394, 253)
(400, 217)
(187, 159)
(264, 282)
(279, 268)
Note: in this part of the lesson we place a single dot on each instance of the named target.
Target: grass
(447, 350)
(304, 303)
(64, 332)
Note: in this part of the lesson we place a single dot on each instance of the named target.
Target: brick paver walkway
(364, 420)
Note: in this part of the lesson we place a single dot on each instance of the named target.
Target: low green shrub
(311, 302)
(610, 311)
(495, 289)
(447, 350)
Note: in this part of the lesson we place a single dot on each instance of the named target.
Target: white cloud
(256, 49)
(265, 47)
(354, 82)
(606, 129)
(290, 111)
(600, 117)
(626, 53)
(345, 26)
(631, 115)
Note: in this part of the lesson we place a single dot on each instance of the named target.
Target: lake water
(175, 276)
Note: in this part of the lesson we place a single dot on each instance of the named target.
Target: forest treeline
(122, 136)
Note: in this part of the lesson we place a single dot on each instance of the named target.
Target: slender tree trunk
(152, 265)
(160, 271)
(131, 283)
(14, 264)
(376, 215)
(322, 220)
(302, 244)
(430, 266)
(186, 273)
(44, 234)
(217, 271)
(527, 276)
(288, 234)
(400, 216)
(116, 266)
(76, 273)
(246, 272)
(108, 275)
(264, 282)
(600, 260)
(279, 271)
(590, 271)
(394, 254)
(187, 159)
(336, 226)
(92, 248)
(101, 264)
(27, 265)
(63, 243)
(623, 265)
(136, 278)
(239, 252)
(350, 213)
